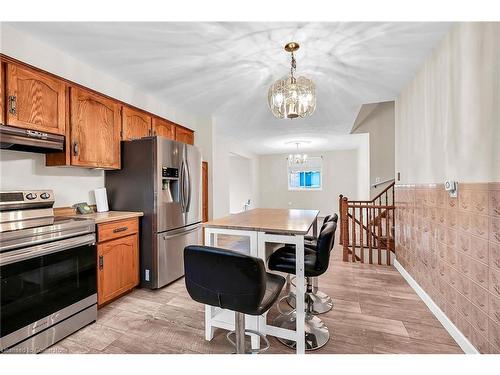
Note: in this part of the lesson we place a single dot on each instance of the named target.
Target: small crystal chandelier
(292, 97)
(297, 159)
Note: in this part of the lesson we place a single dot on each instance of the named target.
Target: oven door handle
(45, 249)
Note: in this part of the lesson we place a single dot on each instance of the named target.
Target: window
(306, 176)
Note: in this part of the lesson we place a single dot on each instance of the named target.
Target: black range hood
(12, 138)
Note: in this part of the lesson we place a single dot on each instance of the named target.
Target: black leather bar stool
(233, 281)
(311, 240)
(315, 264)
(321, 302)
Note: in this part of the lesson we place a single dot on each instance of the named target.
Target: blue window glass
(304, 180)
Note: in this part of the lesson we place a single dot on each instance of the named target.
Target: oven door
(39, 281)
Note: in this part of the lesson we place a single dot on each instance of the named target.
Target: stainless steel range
(47, 272)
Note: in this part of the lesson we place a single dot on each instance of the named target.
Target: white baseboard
(458, 336)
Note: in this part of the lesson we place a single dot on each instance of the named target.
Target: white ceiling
(225, 69)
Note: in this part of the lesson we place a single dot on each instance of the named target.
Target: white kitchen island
(262, 225)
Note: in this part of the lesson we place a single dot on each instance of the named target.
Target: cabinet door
(184, 135)
(163, 128)
(34, 100)
(118, 267)
(135, 124)
(95, 130)
(204, 191)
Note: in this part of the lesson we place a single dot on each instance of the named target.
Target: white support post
(209, 310)
(300, 294)
(261, 241)
(253, 321)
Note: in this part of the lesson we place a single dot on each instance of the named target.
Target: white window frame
(320, 170)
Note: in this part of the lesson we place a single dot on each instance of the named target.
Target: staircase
(367, 228)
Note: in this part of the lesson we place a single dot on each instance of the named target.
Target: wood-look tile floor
(375, 311)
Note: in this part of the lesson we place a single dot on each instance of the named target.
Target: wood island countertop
(286, 221)
(105, 217)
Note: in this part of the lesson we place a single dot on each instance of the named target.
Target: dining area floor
(375, 311)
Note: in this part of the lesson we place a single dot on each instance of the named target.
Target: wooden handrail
(378, 196)
(388, 207)
(368, 225)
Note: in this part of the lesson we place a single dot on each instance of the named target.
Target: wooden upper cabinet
(34, 100)
(184, 135)
(95, 130)
(163, 128)
(135, 124)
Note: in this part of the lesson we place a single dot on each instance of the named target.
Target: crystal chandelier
(297, 159)
(292, 97)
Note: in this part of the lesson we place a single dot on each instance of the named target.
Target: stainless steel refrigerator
(162, 178)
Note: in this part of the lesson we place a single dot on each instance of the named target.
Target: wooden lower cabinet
(117, 267)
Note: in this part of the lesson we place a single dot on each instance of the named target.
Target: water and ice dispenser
(170, 184)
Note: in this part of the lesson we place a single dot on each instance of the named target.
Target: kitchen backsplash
(451, 247)
(27, 171)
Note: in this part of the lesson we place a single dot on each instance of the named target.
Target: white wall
(223, 149)
(379, 124)
(340, 176)
(448, 116)
(71, 184)
(240, 182)
(25, 171)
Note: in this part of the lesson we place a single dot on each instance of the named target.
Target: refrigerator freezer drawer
(171, 246)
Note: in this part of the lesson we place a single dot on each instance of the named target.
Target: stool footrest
(252, 332)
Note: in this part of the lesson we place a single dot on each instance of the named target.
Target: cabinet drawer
(117, 229)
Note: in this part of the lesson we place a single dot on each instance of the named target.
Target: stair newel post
(341, 220)
(370, 238)
(379, 234)
(361, 233)
(345, 229)
(353, 244)
(387, 240)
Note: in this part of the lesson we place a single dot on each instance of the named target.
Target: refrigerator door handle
(183, 233)
(181, 190)
(188, 203)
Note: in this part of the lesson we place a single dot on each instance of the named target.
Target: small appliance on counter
(161, 178)
(101, 200)
(48, 272)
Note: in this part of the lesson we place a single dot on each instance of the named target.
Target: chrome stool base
(316, 332)
(321, 302)
(239, 339)
(247, 350)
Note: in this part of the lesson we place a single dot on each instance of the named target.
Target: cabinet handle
(101, 262)
(12, 104)
(75, 148)
(122, 229)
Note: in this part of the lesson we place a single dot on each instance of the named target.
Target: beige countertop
(105, 217)
(268, 220)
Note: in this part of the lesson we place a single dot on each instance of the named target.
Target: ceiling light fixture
(298, 158)
(292, 97)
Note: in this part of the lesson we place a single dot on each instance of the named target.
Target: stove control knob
(31, 196)
(45, 195)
